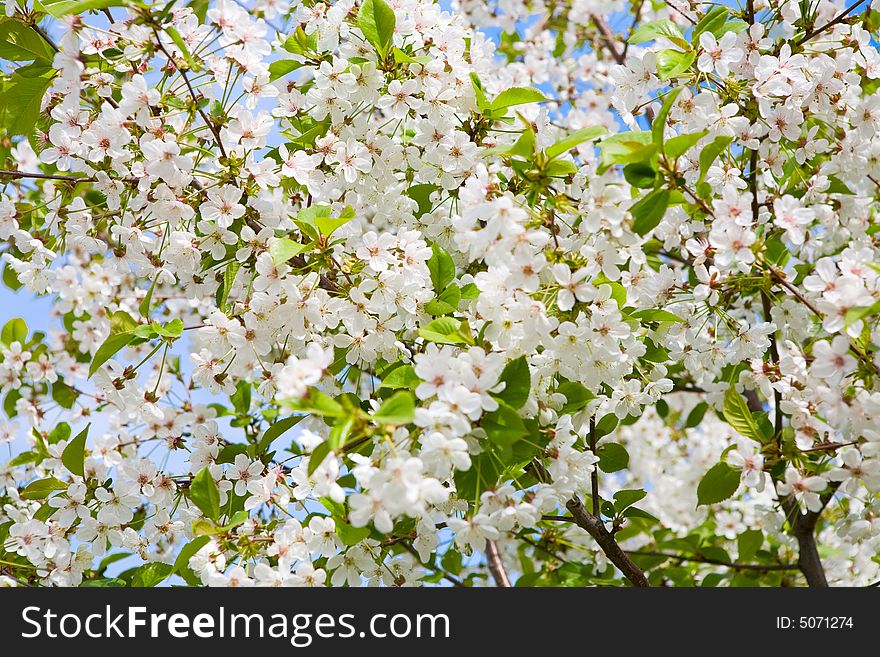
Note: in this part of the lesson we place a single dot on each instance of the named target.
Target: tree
(353, 292)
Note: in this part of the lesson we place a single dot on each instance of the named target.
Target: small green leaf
(281, 67)
(316, 458)
(377, 21)
(696, 415)
(42, 488)
(569, 142)
(656, 315)
(748, 543)
(504, 426)
(517, 96)
(73, 456)
(283, 249)
(718, 484)
(649, 211)
(710, 153)
(656, 29)
(441, 268)
(678, 146)
(171, 31)
(401, 377)
(108, 349)
(205, 495)
(150, 574)
(576, 395)
(278, 429)
(398, 409)
(518, 383)
(443, 330)
(613, 457)
(15, 330)
(350, 535)
(626, 498)
(187, 552)
(737, 413)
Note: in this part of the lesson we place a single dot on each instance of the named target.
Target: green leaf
(713, 20)
(674, 63)
(318, 403)
(278, 429)
(283, 249)
(710, 153)
(73, 456)
(504, 426)
(300, 43)
(446, 303)
(696, 415)
(656, 315)
(144, 306)
(518, 383)
(640, 174)
(858, 313)
(658, 127)
(678, 146)
(226, 284)
(64, 395)
(42, 488)
(241, 398)
(441, 267)
(281, 67)
(517, 96)
(574, 139)
(626, 498)
(737, 413)
(187, 552)
(350, 535)
(150, 574)
(205, 495)
(61, 8)
(649, 211)
(626, 147)
(718, 484)
(328, 224)
(606, 425)
(656, 29)
(401, 377)
(317, 456)
(108, 349)
(748, 543)
(377, 21)
(21, 43)
(15, 330)
(400, 408)
(421, 194)
(613, 457)
(576, 396)
(443, 330)
(171, 31)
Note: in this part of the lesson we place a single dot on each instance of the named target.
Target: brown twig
(714, 562)
(837, 19)
(595, 528)
(496, 565)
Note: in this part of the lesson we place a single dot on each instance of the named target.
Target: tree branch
(594, 526)
(496, 566)
(803, 528)
(715, 562)
(837, 19)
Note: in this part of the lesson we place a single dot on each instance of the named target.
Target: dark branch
(496, 566)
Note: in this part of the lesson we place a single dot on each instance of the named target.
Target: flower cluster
(357, 294)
